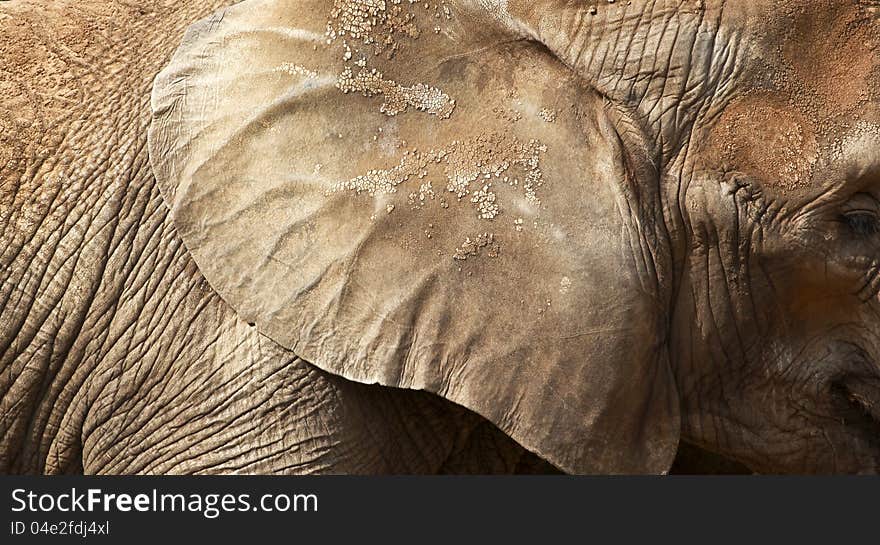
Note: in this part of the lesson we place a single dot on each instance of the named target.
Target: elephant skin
(116, 357)
(347, 236)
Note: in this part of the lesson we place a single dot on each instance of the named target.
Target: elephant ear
(408, 197)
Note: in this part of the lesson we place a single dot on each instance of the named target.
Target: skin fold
(117, 357)
(748, 134)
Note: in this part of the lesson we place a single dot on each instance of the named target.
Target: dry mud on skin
(73, 101)
(367, 32)
(787, 126)
(419, 171)
(75, 72)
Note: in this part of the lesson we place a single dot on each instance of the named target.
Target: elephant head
(606, 227)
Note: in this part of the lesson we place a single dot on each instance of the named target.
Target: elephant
(457, 236)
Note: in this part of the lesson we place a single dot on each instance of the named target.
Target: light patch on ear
(372, 28)
(490, 173)
(296, 34)
(766, 138)
(496, 8)
(398, 98)
(295, 70)
(306, 79)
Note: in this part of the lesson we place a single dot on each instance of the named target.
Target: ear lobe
(495, 258)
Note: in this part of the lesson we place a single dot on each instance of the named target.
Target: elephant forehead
(810, 89)
(836, 56)
(763, 136)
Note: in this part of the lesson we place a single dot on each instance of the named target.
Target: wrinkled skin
(776, 319)
(116, 356)
(772, 180)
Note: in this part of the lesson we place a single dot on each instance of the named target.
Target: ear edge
(536, 446)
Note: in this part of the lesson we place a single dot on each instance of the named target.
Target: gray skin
(116, 356)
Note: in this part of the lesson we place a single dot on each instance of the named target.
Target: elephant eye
(863, 222)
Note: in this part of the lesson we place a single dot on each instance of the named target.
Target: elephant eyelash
(863, 222)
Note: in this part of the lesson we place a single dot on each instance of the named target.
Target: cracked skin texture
(354, 290)
(823, 77)
(115, 354)
(352, 281)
